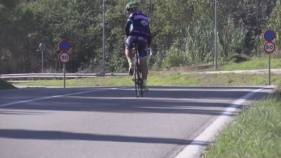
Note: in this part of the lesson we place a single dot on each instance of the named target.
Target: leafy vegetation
(182, 32)
(251, 136)
(6, 85)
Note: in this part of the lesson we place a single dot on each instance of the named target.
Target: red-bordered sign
(64, 57)
(269, 47)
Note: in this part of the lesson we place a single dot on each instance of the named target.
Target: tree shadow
(18, 112)
(173, 100)
(133, 105)
(60, 135)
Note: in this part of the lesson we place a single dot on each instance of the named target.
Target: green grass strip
(256, 133)
(252, 65)
(175, 79)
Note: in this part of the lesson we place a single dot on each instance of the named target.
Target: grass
(254, 134)
(177, 79)
(252, 64)
(174, 79)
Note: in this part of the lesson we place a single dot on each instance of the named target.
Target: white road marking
(208, 135)
(48, 97)
(207, 89)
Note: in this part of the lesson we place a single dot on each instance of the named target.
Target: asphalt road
(111, 122)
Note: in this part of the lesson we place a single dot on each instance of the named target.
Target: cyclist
(137, 31)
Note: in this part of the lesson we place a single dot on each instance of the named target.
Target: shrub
(238, 58)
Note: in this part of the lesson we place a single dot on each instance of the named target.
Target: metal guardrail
(34, 76)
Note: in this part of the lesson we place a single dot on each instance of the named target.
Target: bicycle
(137, 75)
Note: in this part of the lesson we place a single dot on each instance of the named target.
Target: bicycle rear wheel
(138, 80)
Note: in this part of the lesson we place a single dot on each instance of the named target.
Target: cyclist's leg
(143, 59)
(128, 53)
(143, 63)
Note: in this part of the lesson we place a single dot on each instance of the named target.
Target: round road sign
(269, 47)
(42, 47)
(64, 45)
(64, 57)
(269, 35)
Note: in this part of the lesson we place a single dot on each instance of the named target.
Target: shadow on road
(18, 112)
(59, 135)
(178, 101)
(117, 105)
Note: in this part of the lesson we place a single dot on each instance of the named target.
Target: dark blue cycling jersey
(138, 25)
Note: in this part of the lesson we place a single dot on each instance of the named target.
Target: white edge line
(45, 98)
(191, 151)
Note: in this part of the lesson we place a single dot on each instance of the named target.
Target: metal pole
(103, 38)
(42, 60)
(63, 75)
(215, 40)
(42, 47)
(269, 67)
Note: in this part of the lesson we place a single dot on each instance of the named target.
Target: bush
(175, 58)
(238, 58)
(6, 85)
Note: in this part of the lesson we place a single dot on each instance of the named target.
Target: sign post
(42, 48)
(269, 48)
(64, 56)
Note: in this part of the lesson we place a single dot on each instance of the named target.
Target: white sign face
(64, 57)
(269, 47)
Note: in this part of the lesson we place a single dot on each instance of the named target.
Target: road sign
(42, 47)
(64, 57)
(64, 45)
(269, 35)
(269, 47)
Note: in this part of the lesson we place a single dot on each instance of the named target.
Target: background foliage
(183, 32)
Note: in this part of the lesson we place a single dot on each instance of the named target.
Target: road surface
(110, 122)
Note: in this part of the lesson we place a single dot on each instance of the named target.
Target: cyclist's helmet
(132, 5)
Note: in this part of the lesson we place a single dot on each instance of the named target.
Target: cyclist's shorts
(142, 44)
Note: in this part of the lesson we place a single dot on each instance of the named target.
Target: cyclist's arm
(127, 27)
